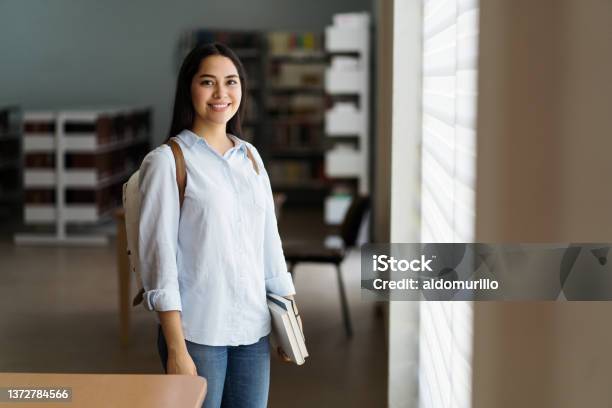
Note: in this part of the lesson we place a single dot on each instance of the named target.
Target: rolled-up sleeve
(278, 280)
(158, 231)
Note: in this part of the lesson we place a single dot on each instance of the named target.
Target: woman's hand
(279, 350)
(180, 362)
(281, 354)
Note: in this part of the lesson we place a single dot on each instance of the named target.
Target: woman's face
(215, 90)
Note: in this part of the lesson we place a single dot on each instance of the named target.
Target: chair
(349, 230)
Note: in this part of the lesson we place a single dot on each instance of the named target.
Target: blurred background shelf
(75, 163)
(347, 122)
(295, 106)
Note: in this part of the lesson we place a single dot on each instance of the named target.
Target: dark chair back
(352, 220)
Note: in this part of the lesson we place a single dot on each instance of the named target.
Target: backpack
(131, 205)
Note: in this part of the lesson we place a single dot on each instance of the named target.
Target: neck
(212, 132)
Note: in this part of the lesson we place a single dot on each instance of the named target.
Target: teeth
(220, 106)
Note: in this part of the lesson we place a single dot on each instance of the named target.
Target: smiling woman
(216, 95)
(211, 75)
(207, 263)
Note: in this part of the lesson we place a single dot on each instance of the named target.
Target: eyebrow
(212, 76)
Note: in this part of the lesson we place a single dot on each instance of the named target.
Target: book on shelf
(290, 171)
(294, 75)
(286, 329)
(284, 43)
(279, 104)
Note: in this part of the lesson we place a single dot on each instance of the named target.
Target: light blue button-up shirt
(214, 259)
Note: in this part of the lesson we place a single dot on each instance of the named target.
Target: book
(291, 308)
(283, 333)
(286, 329)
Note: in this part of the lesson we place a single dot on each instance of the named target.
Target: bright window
(450, 49)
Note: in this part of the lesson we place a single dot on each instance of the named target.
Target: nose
(220, 91)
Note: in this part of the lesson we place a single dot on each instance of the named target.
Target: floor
(60, 314)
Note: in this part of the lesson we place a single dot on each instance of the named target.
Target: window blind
(450, 49)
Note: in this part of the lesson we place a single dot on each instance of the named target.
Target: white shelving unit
(348, 42)
(343, 119)
(94, 133)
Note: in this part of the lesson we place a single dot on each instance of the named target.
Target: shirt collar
(238, 143)
(189, 139)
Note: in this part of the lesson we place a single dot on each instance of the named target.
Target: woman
(208, 265)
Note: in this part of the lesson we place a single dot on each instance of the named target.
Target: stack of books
(285, 328)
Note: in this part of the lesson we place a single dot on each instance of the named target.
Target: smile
(219, 107)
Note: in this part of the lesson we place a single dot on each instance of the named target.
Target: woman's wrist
(177, 349)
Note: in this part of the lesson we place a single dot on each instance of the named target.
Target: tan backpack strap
(181, 171)
(252, 159)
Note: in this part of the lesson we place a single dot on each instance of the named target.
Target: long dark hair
(183, 113)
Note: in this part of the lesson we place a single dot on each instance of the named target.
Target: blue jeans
(237, 376)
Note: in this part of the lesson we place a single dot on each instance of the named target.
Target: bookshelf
(75, 162)
(295, 105)
(11, 193)
(347, 124)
